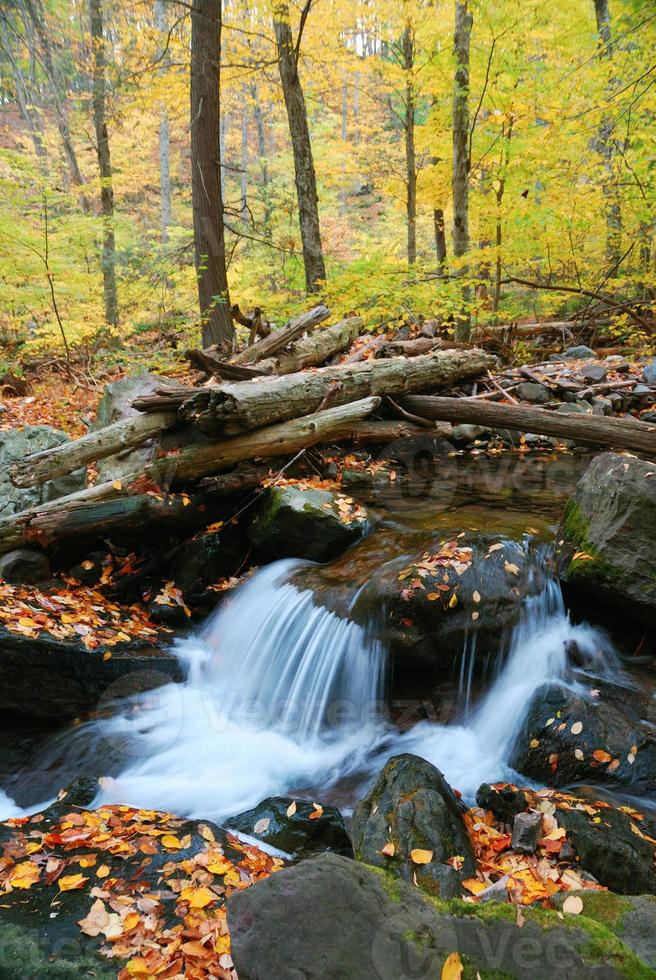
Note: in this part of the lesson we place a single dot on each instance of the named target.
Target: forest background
(542, 130)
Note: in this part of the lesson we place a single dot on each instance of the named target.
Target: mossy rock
(608, 535)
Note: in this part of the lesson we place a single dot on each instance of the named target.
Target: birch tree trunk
(207, 198)
(305, 177)
(164, 137)
(461, 161)
(104, 164)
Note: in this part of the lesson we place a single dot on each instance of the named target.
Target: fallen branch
(314, 350)
(71, 456)
(231, 408)
(594, 430)
(279, 339)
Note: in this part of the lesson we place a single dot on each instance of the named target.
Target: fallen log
(314, 350)
(374, 432)
(279, 339)
(593, 430)
(214, 367)
(411, 348)
(71, 456)
(368, 347)
(231, 408)
(75, 514)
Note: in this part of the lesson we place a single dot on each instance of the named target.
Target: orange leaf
(452, 969)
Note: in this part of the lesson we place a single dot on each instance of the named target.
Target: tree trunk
(461, 161)
(605, 146)
(70, 456)
(594, 430)
(164, 138)
(440, 241)
(104, 164)
(280, 338)
(30, 115)
(306, 183)
(315, 349)
(243, 204)
(57, 89)
(230, 408)
(209, 243)
(262, 154)
(410, 153)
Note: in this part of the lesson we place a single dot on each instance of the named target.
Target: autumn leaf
(262, 825)
(420, 856)
(69, 882)
(388, 849)
(291, 809)
(573, 905)
(599, 755)
(198, 898)
(94, 923)
(171, 842)
(577, 728)
(452, 968)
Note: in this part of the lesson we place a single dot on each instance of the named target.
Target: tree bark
(278, 339)
(373, 432)
(440, 241)
(411, 348)
(207, 199)
(305, 177)
(70, 456)
(314, 350)
(57, 89)
(461, 161)
(605, 146)
(410, 152)
(104, 164)
(229, 408)
(592, 430)
(164, 137)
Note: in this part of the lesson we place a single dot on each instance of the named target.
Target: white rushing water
(284, 696)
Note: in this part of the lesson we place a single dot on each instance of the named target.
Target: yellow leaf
(219, 867)
(534, 743)
(453, 601)
(432, 596)
(24, 875)
(420, 856)
(510, 568)
(138, 967)
(69, 882)
(171, 842)
(117, 485)
(102, 871)
(452, 969)
(198, 898)
(130, 921)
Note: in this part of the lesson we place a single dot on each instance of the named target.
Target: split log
(279, 339)
(71, 456)
(231, 408)
(593, 430)
(314, 350)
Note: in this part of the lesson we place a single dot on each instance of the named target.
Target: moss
(607, 908)
(594, 566)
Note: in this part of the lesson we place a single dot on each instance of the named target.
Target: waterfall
(284, 696)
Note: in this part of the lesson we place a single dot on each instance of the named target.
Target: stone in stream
(24, 566)
(526, 832)
(298, 522)
(15, 444)
(615, 741)
(608, 535)
(201, 561)
(411, 825)
(472, 584)
(50, 680)
(333, 918)
(297, 827)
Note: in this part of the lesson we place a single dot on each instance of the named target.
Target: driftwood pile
(270, 402)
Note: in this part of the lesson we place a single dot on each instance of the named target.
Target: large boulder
(15, 444)
(50, 680)
(631, 916)
(470, 585)
(303, 522)
(413, 809)
(576, 735)
(24, 566)
(608, 535)
(297, 827)
(116, 405)
(333, 918)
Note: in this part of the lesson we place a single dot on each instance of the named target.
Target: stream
(287, 692)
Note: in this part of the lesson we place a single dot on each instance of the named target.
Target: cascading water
(284, 696)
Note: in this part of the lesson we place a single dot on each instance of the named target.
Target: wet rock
(115, 405)
(204, 560)
(609, 534)
(293, 522)
(504, 803)
(578, 353)
(24, 566)
(615, 742)
(531, 391)
(297, 827)
(526, 832)
(15, 444)
(331, 917)
(412, 807)
(463, 434)
(89, 570)
(649, 373)
(426, 624)
(51, 680)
